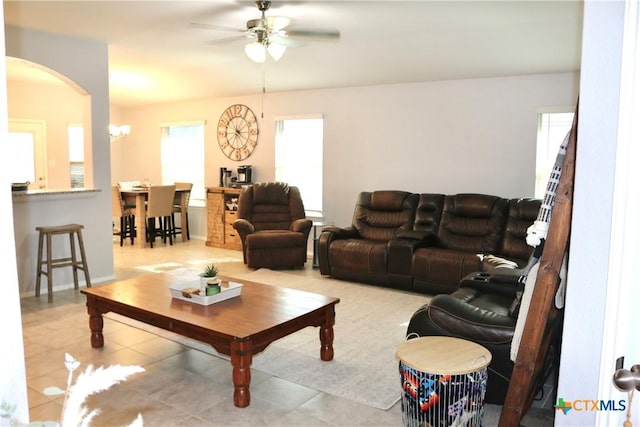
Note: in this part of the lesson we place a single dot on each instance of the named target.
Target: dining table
(141, 194)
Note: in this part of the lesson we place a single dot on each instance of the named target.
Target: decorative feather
(91, 381)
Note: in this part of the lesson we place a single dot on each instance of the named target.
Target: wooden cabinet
(222, 210)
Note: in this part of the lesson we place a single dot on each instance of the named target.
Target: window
(552, 129)
(75, 136)
(298, 149)
(27, 142)
(22, 165)
(182, 157)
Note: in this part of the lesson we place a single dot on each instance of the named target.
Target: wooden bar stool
(71, 261)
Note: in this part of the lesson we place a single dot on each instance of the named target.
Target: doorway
(27, 139)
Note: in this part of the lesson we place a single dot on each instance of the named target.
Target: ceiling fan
(271, 34)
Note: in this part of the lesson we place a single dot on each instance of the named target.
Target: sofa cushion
(472, 223)
(270, 217)
(441, 270)
(359, 255)
(486, 320)
(380, 215)
(387, 200)
(428, 212)
(271, 193)
(275, 239)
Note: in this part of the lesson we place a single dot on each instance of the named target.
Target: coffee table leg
(326, 335)
(95, 324)
(241, 361)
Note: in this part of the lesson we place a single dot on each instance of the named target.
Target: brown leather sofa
(427, 242)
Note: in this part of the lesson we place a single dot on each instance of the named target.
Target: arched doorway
(48, 116)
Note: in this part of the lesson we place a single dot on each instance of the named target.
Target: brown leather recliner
(359, 252)
(272, 226)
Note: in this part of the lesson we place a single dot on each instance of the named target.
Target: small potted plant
(208, 279)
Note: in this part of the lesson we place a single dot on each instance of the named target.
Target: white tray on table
(226, 292)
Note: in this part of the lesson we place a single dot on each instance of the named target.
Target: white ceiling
(156, 56)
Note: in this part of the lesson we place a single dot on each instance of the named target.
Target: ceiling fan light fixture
(276, 50)
(272, 34)
(256, 52)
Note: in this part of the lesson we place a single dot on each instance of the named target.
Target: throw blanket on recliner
(526, 300)
(536, 236)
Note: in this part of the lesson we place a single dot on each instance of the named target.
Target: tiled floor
(180, 386)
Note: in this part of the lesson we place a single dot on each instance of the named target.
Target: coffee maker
(225, 177)
(244, 174)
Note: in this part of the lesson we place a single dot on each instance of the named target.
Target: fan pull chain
(263, 92)
(627, 422)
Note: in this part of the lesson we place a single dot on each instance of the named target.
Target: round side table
(443, 381)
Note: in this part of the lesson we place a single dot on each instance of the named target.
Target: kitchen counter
(43, 208)
(41, 195)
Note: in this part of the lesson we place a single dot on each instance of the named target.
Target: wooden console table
(220, 217)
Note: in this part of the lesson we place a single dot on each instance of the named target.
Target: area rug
(370, 323)
(193, 264)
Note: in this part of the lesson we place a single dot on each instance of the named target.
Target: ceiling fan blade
(229, 39)
(285, 41)
(322, 35)
(216, 27)
(277, 23)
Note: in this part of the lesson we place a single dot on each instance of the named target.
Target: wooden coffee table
(238, 327)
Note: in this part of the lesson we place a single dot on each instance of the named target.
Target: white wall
(13, 380)
(85, 63)
(587, 286)
(448, 136)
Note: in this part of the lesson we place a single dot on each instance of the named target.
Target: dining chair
(125, 213)
(177, 207)
(160, 206)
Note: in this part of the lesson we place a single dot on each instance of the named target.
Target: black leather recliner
(478, 311)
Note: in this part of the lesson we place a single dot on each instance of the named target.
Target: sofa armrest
(243, 227)
(341, 233)
(505, 284)
(423, 238)
(400, 256)
(328, 235)
(302, 225)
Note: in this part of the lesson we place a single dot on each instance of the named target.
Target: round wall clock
(237, 132)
